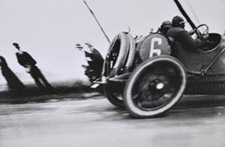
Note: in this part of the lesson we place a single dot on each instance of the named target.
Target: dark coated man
(26, 60)
(12, 81)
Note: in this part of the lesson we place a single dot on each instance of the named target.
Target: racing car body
(160, 72)
(149, 75)
(198, 61)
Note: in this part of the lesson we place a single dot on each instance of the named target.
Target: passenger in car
(165, 26)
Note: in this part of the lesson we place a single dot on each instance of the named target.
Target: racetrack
(195, 122)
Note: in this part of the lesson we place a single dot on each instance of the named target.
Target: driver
(179, 34)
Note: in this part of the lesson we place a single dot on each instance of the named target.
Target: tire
(154, 86)
(120, 52)
(113, 94)
(116, 55)
(130, 59)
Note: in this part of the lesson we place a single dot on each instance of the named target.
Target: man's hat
(79, 46)
(177, 21)
(15, 44)
(88, 44)
(166, 24)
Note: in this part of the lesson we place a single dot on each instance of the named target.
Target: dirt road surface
(94, 122)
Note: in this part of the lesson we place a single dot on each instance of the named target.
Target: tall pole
(185, 14)
(97, 21)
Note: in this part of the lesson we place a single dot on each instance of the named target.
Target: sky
(49, 29)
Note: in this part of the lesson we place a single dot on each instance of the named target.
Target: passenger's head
(16, 45)
(178, 21)
(165, 26)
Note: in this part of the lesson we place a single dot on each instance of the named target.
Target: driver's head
(178, 21)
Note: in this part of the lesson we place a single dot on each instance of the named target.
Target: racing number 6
(153, 50)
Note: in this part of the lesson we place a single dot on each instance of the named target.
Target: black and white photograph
(112, 73)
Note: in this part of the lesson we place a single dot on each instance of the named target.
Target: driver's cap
(177, 21)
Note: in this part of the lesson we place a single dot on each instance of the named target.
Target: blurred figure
(29, 63)
(95, 61)
(12, 81)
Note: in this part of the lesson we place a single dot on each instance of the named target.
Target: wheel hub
(156, 85)
(159, 86)
(153, 87)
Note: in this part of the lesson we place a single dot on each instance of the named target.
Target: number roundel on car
(153, 45)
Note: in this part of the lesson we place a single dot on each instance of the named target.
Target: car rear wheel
(154, 86)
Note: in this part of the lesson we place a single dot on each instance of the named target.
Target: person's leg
(34, 75)
(44, 81)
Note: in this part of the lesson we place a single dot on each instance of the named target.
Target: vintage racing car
(149, 75)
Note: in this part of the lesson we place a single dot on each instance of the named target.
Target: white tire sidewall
(137, 112)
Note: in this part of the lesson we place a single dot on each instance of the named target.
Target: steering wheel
(202, 35)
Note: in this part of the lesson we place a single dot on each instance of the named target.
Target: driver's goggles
(182, 22)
